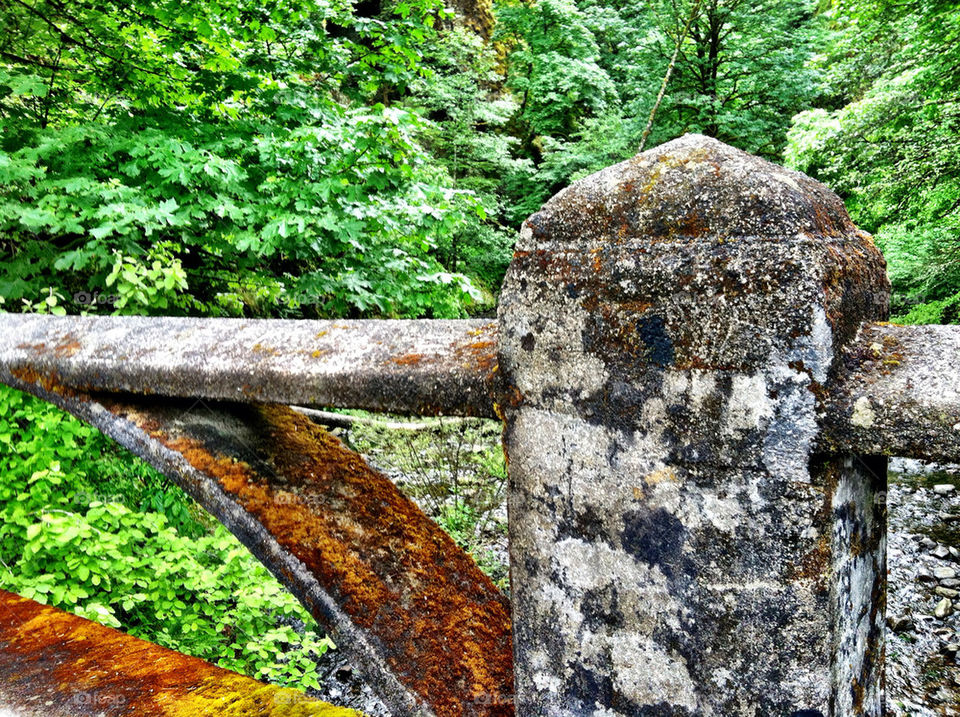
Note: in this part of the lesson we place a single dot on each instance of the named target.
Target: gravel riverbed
(923, 594)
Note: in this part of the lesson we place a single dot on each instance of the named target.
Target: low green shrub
(89, 528)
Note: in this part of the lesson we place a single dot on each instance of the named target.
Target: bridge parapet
(697, 389)
(897, 393)
(422, 367)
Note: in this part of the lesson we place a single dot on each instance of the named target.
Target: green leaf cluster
(238, 145)
(587, 75)
(86, 527)
(886, 139)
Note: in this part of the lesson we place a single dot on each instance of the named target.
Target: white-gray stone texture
(667, 329)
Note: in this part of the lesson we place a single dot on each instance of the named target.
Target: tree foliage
(887, 141)
(554, 67)
(242, 144)
(466, 132)
(741, 72)
(740, 75)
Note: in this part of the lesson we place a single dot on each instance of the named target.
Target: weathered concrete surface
(54, 664)
(677, 548)
(897, 393)
(420, 367)
(428, 629)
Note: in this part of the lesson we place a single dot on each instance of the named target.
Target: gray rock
(944, 488)
(911, 466)
(943, 609)
(946, 592)
(944, 573)
(899, 623)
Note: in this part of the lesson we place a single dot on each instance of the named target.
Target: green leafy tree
(740, 74)
(886, 139)
(467, 132)
(553, 67)
(243, 141)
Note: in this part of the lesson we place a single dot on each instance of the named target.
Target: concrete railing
(697, 398)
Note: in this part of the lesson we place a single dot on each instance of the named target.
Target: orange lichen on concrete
(67, 346)
(814, 565)
(268, 350)
(49, 381)
(408, 359)
(446, 624)
(479, 356)
(52, 662)
(444, 627)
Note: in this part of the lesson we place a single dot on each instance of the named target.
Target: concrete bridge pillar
(669, 328)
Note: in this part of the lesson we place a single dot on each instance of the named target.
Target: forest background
(322, 158)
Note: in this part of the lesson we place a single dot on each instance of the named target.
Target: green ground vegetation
(89, 528)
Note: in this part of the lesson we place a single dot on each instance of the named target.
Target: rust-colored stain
(597, 260)
(67, 346)
(52, 662)
(443, 626)
(49, 381)
(476, 355)
(814, 565)
(67, 349)
(479, 356)
(408, 359)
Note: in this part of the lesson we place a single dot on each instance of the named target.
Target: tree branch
(666, 78)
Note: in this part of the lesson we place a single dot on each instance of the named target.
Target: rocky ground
(923, 603)
(343, 686)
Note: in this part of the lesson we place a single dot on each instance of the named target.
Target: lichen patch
(863, 414)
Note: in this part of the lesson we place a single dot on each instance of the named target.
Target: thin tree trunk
(694, 11)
